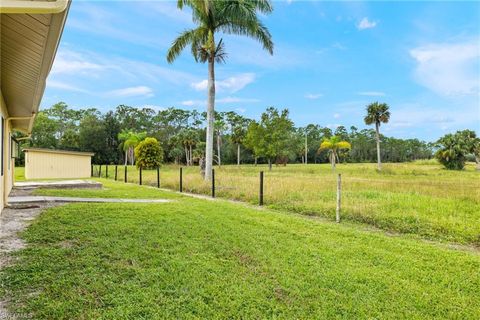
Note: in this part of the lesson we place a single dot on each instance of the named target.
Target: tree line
(273, 138)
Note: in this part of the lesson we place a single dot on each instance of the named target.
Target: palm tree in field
(377, 113)
(333, 145)
(129, 141)
(237, 17)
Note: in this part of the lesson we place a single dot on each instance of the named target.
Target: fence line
(96, 170)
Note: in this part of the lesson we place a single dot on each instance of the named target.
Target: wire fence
(256, 188)
(402, 197)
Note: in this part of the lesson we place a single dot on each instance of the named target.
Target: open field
(194, 258)
(417, 198)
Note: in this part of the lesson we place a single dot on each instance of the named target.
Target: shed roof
(42, 150)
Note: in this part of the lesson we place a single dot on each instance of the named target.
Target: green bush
(450, 159)
(148, 154)
(454, 148)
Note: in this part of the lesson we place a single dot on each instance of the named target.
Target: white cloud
(64, 86)
(313, 96)
(95, 19)
(336, 115)
(231, 84)
(228, 99)
(70, 62)
(371, 93)
(188, 103)
(241, 110)
(366, 24)
(200, 86)
(417, 115)
(333, 125)
(167, 9)
(448, 68)
(132, 92)
(235, 99)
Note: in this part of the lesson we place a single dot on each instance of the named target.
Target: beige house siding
(56, 164)
(6, 180)
(30, 32)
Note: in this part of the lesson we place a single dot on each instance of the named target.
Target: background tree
(377, 113)
(149, 154)
(92, 138)
(166, 126)
(238, 131)
(219, 126)
(189, 139)
(333, 145)
(238, 17)
(255, 141)
(271, 136)
(44, 132)
(130, 140)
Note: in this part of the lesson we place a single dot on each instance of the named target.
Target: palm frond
(185, 38)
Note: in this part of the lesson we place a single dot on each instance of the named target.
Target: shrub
(454, 148)
(149, 154)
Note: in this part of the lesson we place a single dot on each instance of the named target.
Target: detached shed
(56, 164)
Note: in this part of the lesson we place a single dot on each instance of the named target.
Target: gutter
(34, 7)
(30, 124)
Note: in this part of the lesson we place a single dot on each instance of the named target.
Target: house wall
(6, 180)
(56, 165)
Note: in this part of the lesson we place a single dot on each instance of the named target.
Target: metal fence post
(181, 179)
(91, 170)
(213, 183)
(261, 189)
(125, 179)
(140, 178)
(158, 177)
(106, 171)
(339, 197)
(116, 172)
(100, 171)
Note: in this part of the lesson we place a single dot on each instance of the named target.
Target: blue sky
(330, 60)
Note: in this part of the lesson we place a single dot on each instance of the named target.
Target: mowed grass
(419, 198)
(197, 259)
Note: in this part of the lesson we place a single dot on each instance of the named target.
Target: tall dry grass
(418, 198)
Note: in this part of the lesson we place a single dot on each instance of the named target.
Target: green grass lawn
(418, 198)
(194, 258)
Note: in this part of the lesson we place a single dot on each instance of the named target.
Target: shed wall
(47, 165)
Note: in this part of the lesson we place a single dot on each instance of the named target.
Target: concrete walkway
(62, 184)
(37, 199)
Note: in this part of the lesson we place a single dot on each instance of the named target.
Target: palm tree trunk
(332, 160)
(377, 131)
(186, 155)
(238, 154)
(210, 118)
(477, 160)
(126, 156)
(306, 150)
(256, 161)
(218, 149)
(191, 155)
(269, 164)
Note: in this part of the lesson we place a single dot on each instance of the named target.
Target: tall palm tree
(377, 113)
(334, 145)
(237, 17)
